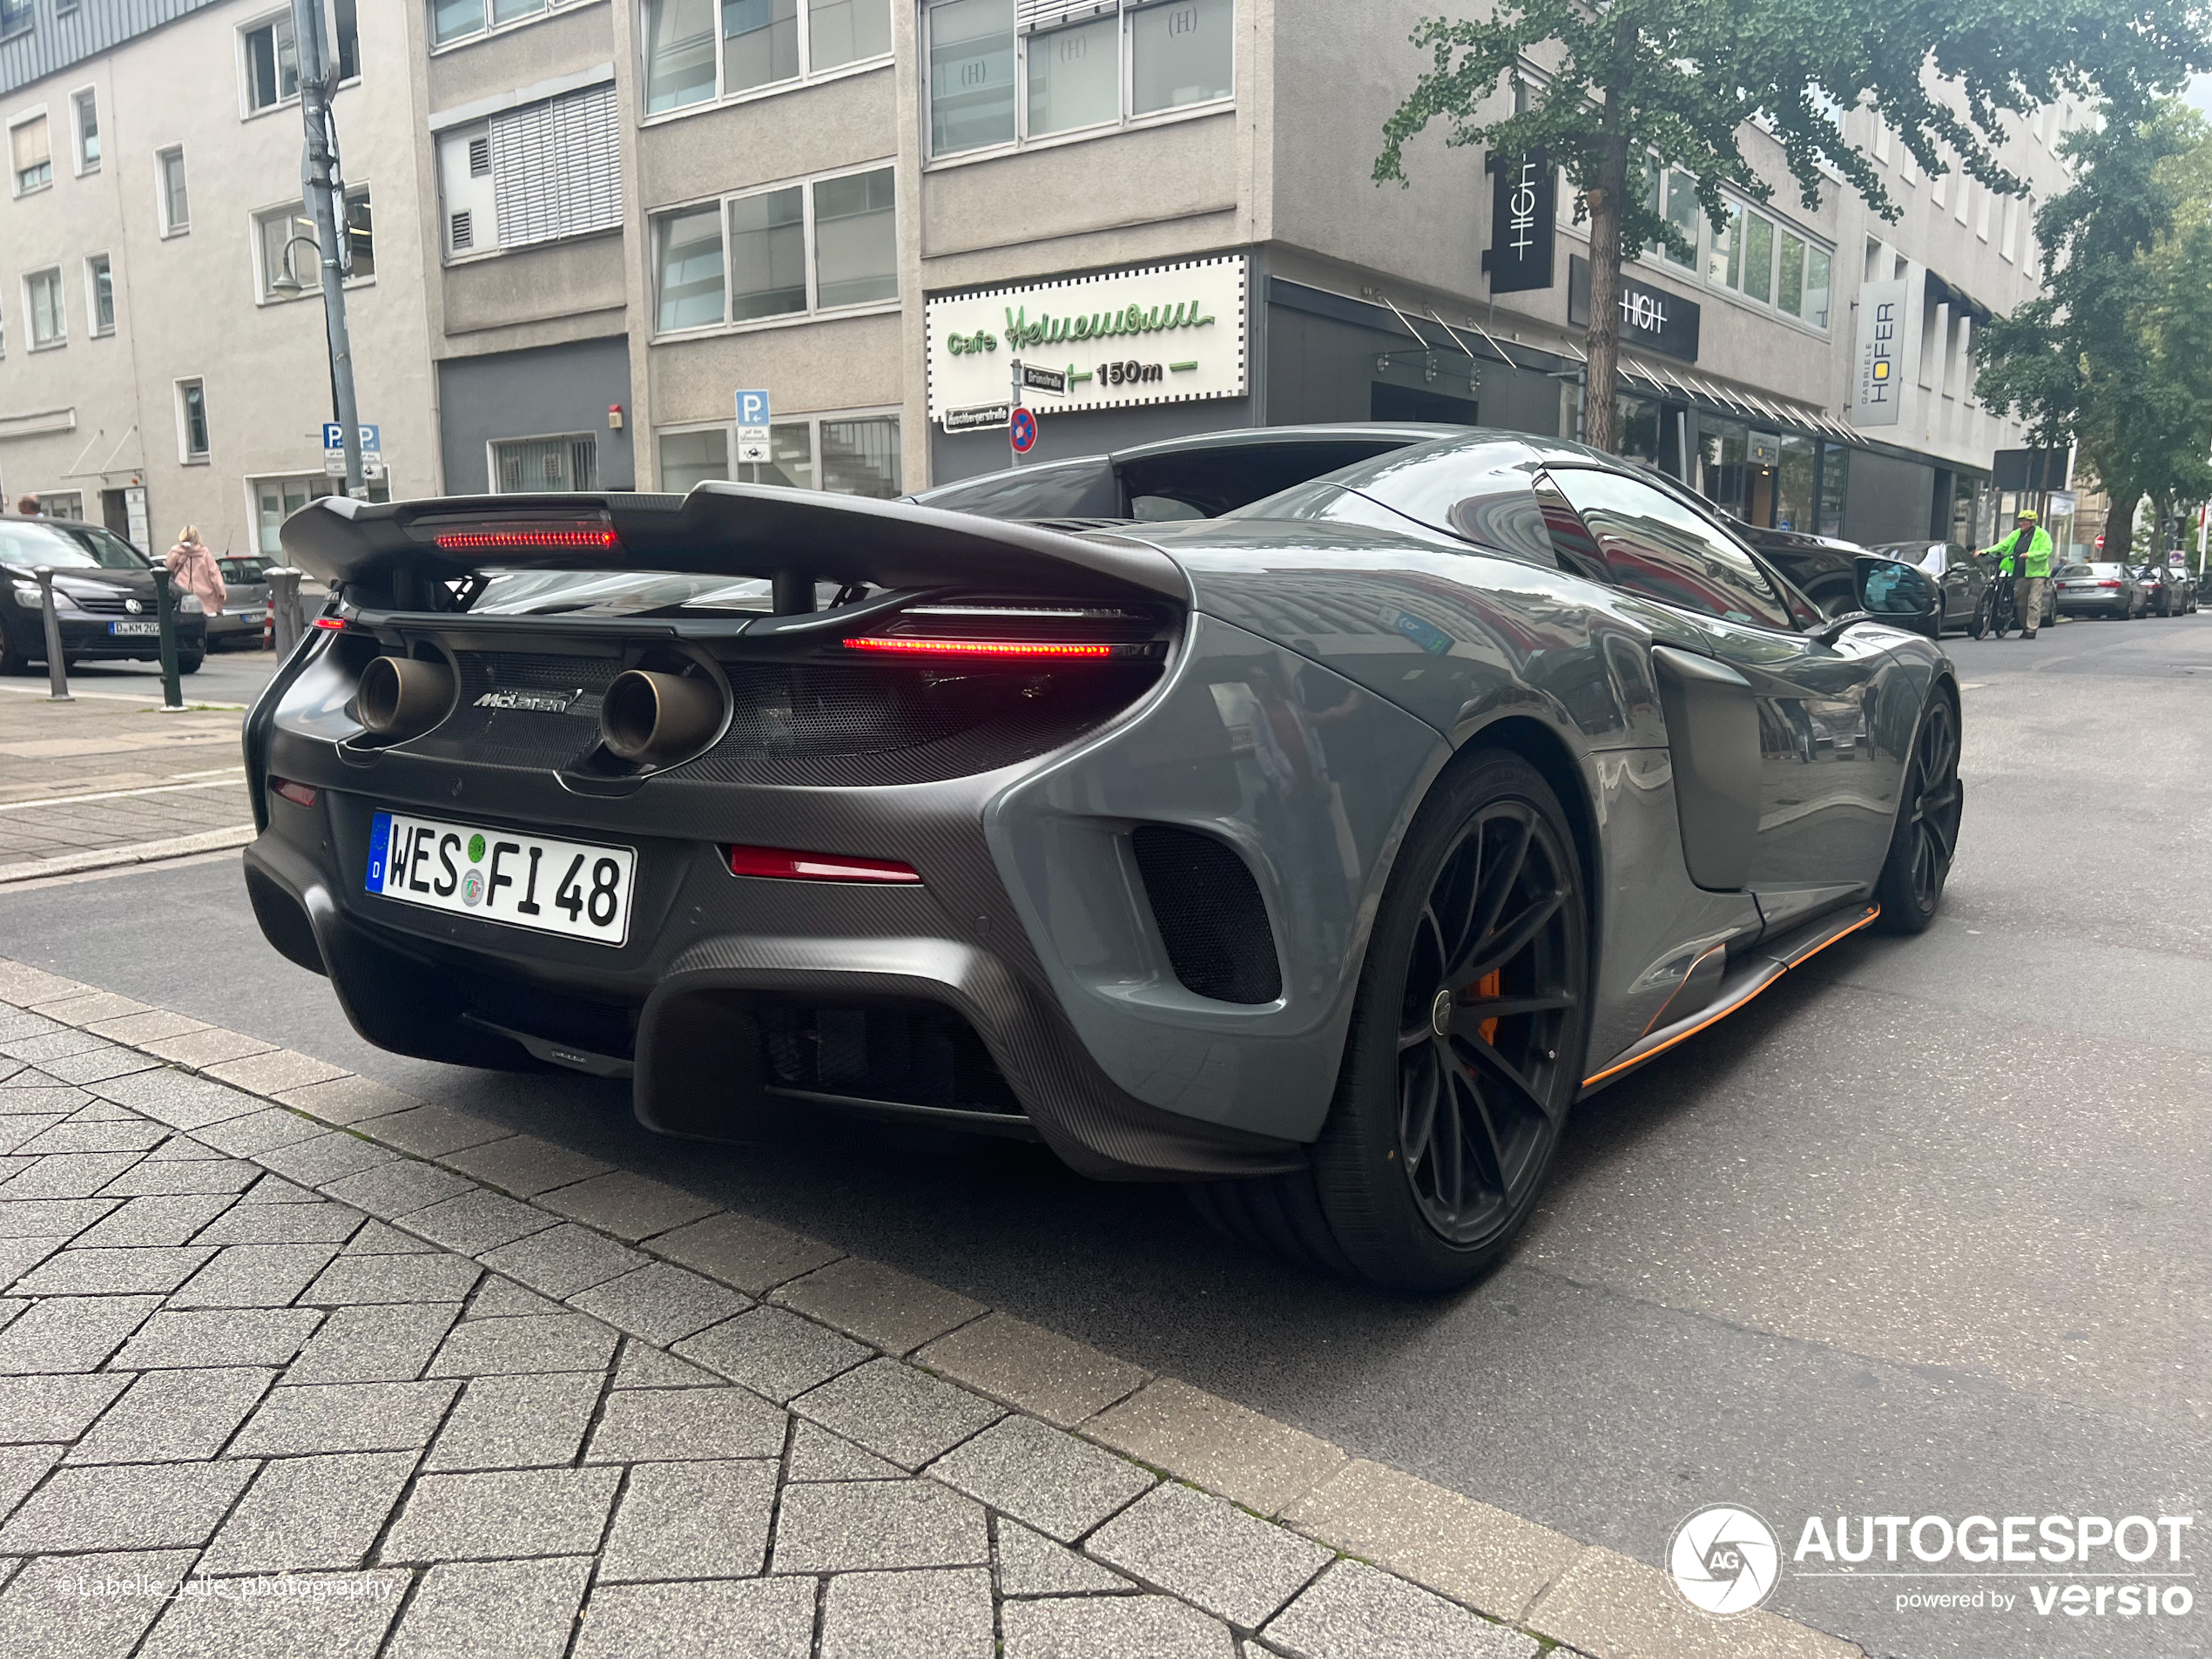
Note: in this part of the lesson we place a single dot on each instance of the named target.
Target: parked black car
(103, 598)
(1964, 577)
(1822, 567)
(2169, 589)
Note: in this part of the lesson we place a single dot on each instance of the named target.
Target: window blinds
(557, 168)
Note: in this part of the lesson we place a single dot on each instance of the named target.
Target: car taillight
(779, 864)
(298, 794)
(335, 624)
(2108, 584)
(1058, 649)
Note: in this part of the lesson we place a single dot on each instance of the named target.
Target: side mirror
(1896, 593)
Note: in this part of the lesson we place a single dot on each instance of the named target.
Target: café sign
(1165, 334)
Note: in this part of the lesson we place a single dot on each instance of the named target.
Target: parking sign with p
(752, 426)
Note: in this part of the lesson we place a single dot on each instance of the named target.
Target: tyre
(188, 662)
(1977, 624)
(1465, 1052)
(13, 658)
(1909, 889)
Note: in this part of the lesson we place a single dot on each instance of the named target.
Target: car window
(1083, 489)
(108, 549)
(1664, 549)
(27, 543)
(1159, 510)
(243, 570)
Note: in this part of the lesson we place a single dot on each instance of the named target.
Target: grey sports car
(1321, 855)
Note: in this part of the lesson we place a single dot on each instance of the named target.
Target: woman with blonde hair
(195, 569)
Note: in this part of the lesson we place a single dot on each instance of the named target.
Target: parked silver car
(246, 603)
(2098, 590)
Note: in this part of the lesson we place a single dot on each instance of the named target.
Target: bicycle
(1998, 613)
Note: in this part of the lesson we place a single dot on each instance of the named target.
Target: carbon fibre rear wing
(399, 555)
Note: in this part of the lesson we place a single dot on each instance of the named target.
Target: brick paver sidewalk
(81, 781)
(244, 1416)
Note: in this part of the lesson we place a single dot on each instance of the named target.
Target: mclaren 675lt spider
(1321, 855)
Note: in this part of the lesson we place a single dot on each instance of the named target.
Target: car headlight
(188, 605)
(27, 597)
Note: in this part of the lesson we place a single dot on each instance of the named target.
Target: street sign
(1023, 427)
(334, 438)
(978, 417)
(1045, 380)
(334, 467)
(752, 426)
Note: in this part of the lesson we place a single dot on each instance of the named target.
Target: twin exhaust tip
(404, 696)
(653, 719)
(647, 719)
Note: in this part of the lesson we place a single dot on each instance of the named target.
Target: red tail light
(778, 864)
(585, 534)
(298, 794)
(1003, 648)
(2108, 584)
(334, 624)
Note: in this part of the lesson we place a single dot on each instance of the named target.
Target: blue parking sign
(752, 408)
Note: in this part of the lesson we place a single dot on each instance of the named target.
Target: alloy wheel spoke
(1511, 941)
(1468, 1017)
(1490, 1056)
(1417, 1125)
(1499, 883)
(1493, 1148)
(1450, 1148)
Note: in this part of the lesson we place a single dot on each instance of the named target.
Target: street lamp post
(318, 172)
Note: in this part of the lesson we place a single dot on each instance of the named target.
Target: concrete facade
(571, 347)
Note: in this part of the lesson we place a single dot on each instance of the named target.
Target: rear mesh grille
(1210, 916)
(908, 1054)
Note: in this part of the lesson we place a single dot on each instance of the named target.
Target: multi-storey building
(599, 222)
(161, 300)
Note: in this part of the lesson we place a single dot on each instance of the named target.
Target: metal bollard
(57, 666)
(284, 608)
(164, 598)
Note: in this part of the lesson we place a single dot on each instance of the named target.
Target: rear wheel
(1465, 1052)
(1977, 624)
(1911, 885)
(188, 662)
(13, 658)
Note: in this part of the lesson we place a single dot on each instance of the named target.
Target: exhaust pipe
(404, 696)
(656, 719)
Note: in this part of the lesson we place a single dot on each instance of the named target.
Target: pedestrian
(2031, 543)
(190, 564)
(28, 506)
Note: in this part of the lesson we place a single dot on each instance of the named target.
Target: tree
(2115, 355)
(1678, 80)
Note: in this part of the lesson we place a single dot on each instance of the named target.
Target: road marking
(11, 885)
(153, 698)
(118, 795)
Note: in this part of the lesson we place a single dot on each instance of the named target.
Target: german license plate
(134, 627)
(573, 888)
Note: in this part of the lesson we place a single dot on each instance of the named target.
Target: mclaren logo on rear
(535, 702)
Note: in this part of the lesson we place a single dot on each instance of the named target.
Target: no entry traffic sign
(1023, 428)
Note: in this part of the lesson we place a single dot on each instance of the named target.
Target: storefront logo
(1881, 346)
(535, 702)
(1524, 205)
(1725, 1561)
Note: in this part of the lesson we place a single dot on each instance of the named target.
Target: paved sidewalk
(369, 1377)
(82, 782)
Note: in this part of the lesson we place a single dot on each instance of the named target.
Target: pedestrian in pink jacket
(195, 569)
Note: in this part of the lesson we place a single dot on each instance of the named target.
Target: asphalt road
(1923, 1231)
(228, 676)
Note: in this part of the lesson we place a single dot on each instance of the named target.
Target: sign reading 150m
(1166, 334)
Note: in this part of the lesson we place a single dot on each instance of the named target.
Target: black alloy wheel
(1926, 838)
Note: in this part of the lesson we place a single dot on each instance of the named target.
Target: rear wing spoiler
(390, 555)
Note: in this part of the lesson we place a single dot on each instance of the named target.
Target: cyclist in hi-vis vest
(2030, 545)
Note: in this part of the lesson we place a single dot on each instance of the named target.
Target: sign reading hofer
(1168, 334)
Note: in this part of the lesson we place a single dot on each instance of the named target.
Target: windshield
(25, 542)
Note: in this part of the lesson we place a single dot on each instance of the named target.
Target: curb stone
(1536, 1588)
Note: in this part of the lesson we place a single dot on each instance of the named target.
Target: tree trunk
(2120, 528)
(1604, 336)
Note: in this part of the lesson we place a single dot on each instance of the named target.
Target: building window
(14, 18)
(1801, 286)
(271, 63)
(192, 421)
(536, 174)
(1746, 252)
(99, 293)
(276, 499)
(1077, 64)
(697, 51)
(176, 205)
(452, 20)
(31, 155)
(290, 257)
(62, 503)
(86, 109)
(557, 465)
(823, 245)
(852, 454)
(42, 302)
(1683, 213)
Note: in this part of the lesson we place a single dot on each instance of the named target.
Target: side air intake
(1210, 914)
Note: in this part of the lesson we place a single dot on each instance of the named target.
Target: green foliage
(2116, 353)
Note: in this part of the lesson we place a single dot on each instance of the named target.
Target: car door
(1829, 769)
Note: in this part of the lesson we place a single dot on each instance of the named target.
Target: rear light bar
(1001, 649)
(779, 865)
(336, 625)
(298, 794)
(529, 533)
(2108, 584)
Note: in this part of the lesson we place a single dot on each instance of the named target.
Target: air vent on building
(1211, 915)
(461, 230)
(479, 157)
